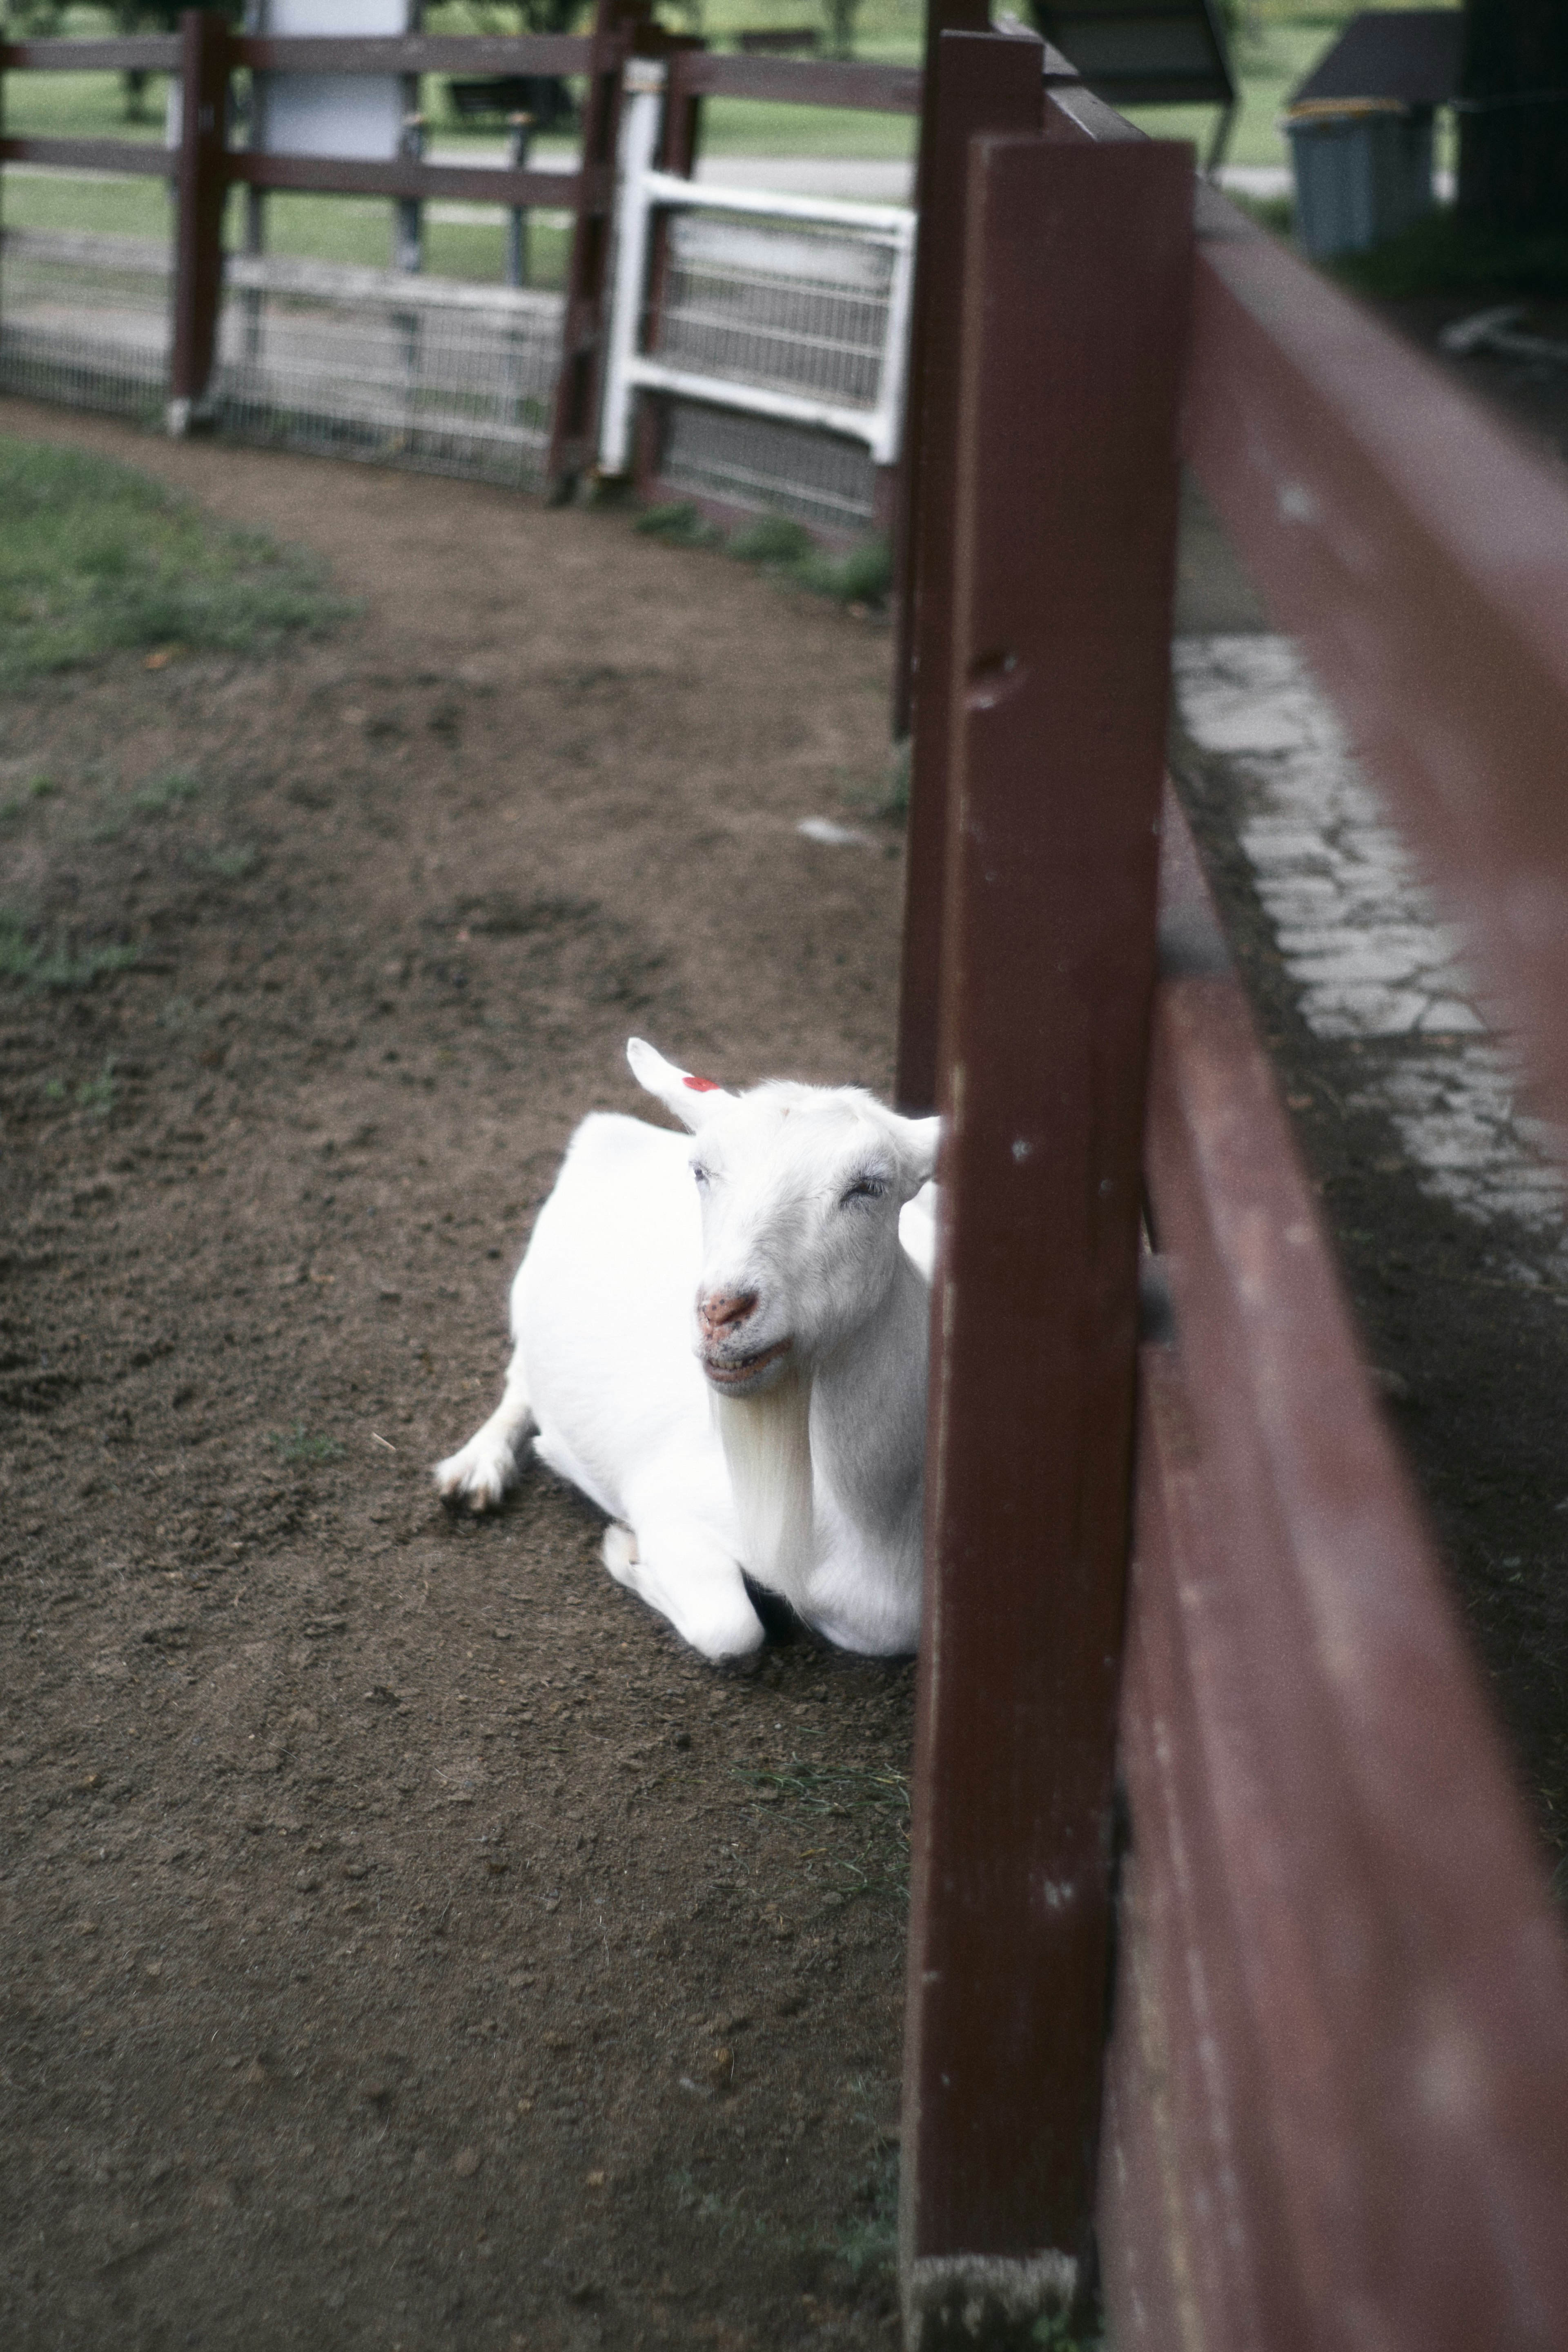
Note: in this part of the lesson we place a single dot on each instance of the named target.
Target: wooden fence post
(1078, 269)
(201, 188)
(975, 82)
(941, 16)
(679, 138)
(574, 437)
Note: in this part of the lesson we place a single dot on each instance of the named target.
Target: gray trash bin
(1364, 170)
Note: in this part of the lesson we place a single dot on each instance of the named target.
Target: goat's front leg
(691, 1579)
(481, 1472)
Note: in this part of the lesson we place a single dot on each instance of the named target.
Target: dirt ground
(407, 1942)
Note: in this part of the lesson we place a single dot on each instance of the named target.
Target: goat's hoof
(473, 1483)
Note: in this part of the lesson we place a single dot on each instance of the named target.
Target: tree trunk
(1513, 120)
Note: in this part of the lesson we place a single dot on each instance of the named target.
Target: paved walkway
(1366, 943)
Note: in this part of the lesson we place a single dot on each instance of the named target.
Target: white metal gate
(793, 309)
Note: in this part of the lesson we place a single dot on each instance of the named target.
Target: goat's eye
(701, 1174)
(865, 1188)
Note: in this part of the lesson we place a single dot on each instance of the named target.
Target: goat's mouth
(739, 1371)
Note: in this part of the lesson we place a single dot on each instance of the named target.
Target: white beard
(767, 1447)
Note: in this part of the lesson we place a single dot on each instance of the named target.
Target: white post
(895, 352)
(641, 122)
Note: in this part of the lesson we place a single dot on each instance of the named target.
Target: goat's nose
(720, 1308)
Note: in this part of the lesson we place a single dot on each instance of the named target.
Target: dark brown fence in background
(205, 54)
(798, 81)
(1334, 2106)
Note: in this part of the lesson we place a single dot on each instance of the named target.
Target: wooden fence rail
(146, 53)
(798, 81)
(1336, 2098)
(1341, 2046)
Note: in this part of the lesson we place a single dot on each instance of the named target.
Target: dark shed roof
(1143, 52)
(1411, 54)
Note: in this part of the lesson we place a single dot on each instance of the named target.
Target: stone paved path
(1364, 939)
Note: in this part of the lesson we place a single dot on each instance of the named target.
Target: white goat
(722, 1342)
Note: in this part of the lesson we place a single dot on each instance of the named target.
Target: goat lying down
(722, 1342)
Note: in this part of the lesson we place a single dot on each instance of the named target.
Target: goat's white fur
(785, 1441)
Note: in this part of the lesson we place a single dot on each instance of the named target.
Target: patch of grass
(1070, 2331)
(869, 2241)
(772, 539)
(875, 1801)
(96, 1096)
(680, 525)
(26, 957)
(1447, 253)
(726, 2215)
(863, 576)
(55, 1090)
(895, 800)
(182, 1013)
(738, 126)
(96, 559)
(160, 794)
(232, 862)
(299, 1444)
(352, 229)
(865, 2240)
(37, 788)
(840, 1789)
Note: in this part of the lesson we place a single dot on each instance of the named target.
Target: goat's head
(800, 1189)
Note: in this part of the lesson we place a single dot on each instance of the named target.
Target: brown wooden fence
(206, 55)
(1257, 1830)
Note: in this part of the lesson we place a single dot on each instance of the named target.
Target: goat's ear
(920, 1138)
(692, 1100)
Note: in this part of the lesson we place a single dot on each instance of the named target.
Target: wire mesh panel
(369, 363)
(782, 307)
(791, 306)
(755, 461)
(84, 320)
(773, 330)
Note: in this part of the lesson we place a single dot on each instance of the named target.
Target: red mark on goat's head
(703, 1085)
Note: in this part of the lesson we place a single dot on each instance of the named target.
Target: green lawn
(96, 558)
(115, 207)
(356, 230)
(1270, 61)
(78, 106)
